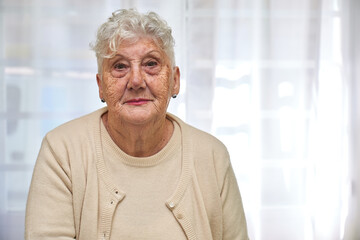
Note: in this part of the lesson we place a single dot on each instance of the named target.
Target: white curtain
(275, 80)
(351, 69)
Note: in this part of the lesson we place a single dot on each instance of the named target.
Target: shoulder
(205, 148)
(72, 142)
(78, 133)
(77, 127)
(199, 139)
(208, 157)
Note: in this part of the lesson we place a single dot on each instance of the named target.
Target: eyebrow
(150, 52)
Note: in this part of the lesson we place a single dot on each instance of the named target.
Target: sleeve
(49, 210)
(234, 222)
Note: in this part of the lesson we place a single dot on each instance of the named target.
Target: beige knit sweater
(72, 194)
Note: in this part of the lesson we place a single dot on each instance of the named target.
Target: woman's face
(138, 81)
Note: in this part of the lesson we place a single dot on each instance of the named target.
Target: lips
(137, 101)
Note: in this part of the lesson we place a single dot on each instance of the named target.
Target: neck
(139, 140)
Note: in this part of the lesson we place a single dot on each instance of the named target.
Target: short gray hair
(126, 24)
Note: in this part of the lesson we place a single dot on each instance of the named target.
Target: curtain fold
(351, 74)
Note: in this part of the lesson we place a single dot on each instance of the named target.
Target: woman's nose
(136, 79)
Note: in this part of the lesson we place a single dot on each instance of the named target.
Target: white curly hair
(129, 24)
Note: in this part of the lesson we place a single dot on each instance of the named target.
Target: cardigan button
(179, 216)
(171, 205)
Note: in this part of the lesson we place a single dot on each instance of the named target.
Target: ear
(99, 83)
(176, 81)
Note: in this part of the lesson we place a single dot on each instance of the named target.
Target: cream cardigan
(72, 195)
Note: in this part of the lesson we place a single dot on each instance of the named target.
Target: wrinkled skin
(137, 84)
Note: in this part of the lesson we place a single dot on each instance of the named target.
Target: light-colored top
(147, 182)
(73, 195)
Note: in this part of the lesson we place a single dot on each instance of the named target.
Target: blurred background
(275, 80)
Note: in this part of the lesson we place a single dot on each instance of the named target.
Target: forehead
(138, 46)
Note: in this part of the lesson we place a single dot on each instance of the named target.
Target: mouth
(137, 101)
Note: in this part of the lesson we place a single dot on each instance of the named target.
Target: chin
(139, 118)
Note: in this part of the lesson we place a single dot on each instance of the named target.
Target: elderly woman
(131, 170)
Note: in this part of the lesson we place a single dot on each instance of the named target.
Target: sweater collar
(185, 176)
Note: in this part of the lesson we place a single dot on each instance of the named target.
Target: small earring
(174, 96)
(102, 100)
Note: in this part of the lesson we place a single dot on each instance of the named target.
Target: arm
(234, 222)
(49, 210)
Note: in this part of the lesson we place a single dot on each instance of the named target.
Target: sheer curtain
(269, 74)
(351, 69)
(275, 80)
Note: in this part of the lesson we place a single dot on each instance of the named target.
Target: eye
(119, 69)
(151, 64)
(120, 66)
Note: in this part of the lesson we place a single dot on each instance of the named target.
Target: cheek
(163, 83)
(113, 90)
(161, 87)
